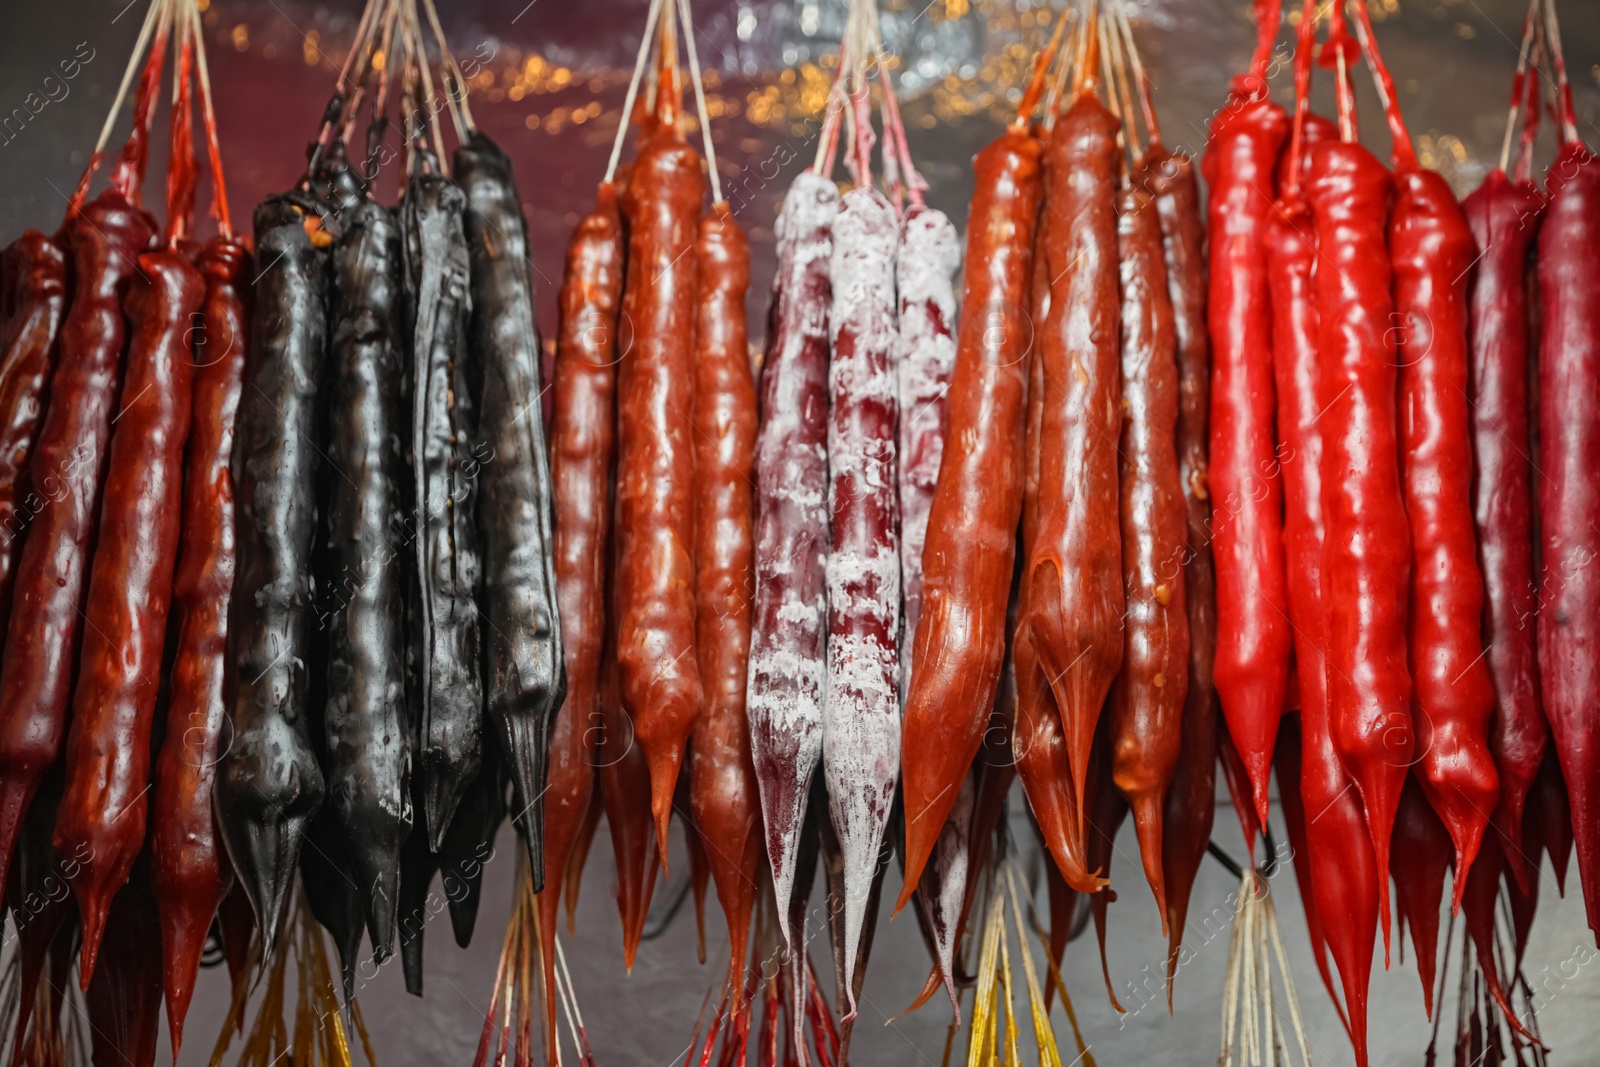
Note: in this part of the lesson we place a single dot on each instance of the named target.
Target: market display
(1285, 461)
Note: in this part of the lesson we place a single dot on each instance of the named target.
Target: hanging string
(570, 1004)
(460, 108)
(448, 76)
(1041, 72)
(859, 159)
(1305, 48)
(633, 89)
(1083, 79)
(409, 112)
(1568, 117)
(382, 59)
(333, 116)
(835, 106)
(441, 160)
(669, 88)
(1146, 102)
(699, 99)
(129, 173)
(1336, 55)
(151, 18)
(219, 187)
(1267, 21)
(1066, 68)
(182, 166)
(1532, 97)
(1405, 155)
(1124, 122)
(350, 104)
(891, 166)
(1529, 21)
(1118, 81)
(860, 37)
(916, 185)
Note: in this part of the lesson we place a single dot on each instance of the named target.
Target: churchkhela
(301, 597)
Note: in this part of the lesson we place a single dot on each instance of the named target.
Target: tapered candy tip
(464, 915)
(521, 745)
(93, 906)
(906, 893)
(663, 823)
(1458, 891)
(1467, 844)
(346, 932)
(534, 844)
(378, 869)
(632, 930)
(182, 943)
(1069, 861)
(663, 786)
(411, 964)
(630, 950)
(266, 862)
(441, 796)
(1380, 799)
(1148, 813)
(1517, 861)
(1260, 783)
(919, 847)
(95, 890)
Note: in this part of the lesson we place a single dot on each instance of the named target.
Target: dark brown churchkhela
(187, 864)
(1072, 595)
(445, 461)
(526, 674)
(365, 753)
(122, 1005)
(269, 784)
(1191, 798)
(37, 299)
(68, 464)
(68, 469)
(104, 810)
(41, 909)
(1147, 701)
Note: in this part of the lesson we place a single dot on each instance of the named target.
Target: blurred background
(548, 87)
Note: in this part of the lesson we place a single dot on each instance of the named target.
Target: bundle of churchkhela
(652, 445)
(1076, 437)
(853, 403)
(394, 492)
(1404, 461)
(327, 543)
(107, 388)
